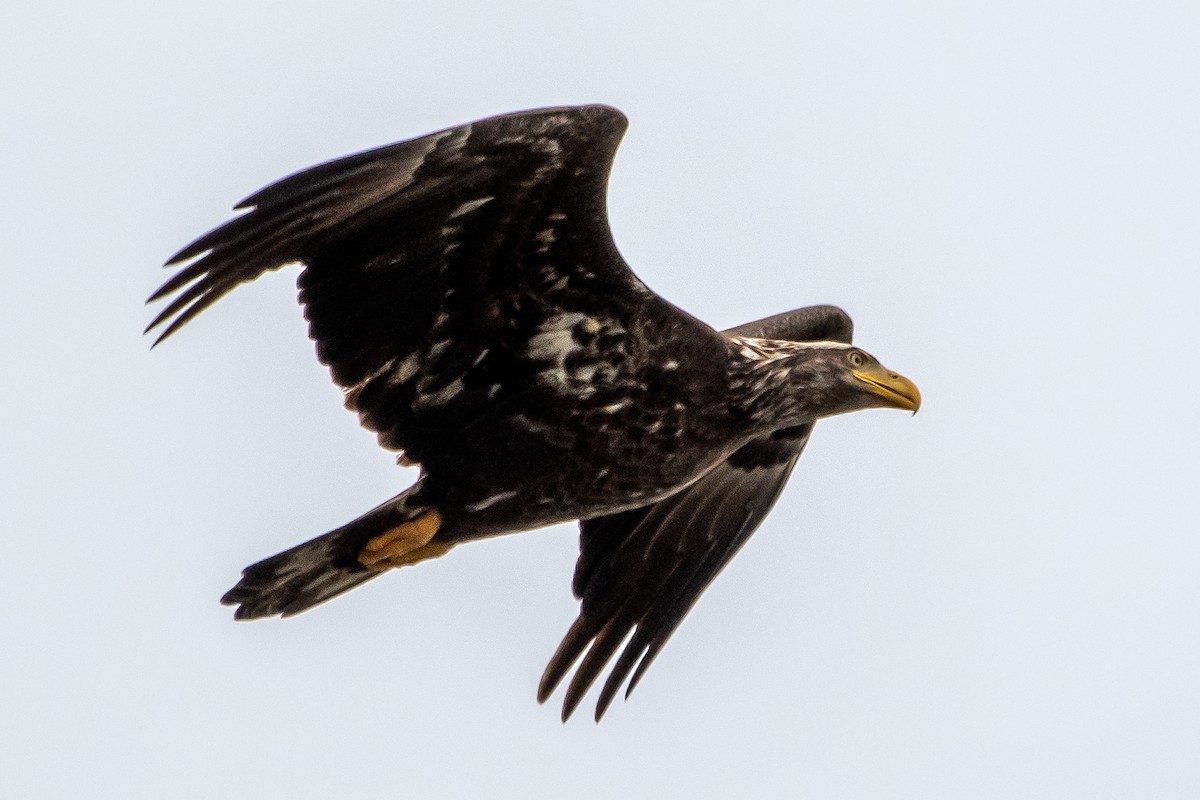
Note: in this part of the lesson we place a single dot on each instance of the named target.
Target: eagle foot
(405, 544)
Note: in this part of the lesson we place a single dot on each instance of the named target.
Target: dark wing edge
(289, 218)
(809, 324)
(282, 224)
(640, 571)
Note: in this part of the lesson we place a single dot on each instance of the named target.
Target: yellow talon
(405, 544)
(431, 550)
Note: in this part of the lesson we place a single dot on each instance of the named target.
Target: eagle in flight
(465, 292)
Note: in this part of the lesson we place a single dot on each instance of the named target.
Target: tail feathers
(300, 578)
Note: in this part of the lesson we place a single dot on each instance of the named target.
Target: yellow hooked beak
(896, 390)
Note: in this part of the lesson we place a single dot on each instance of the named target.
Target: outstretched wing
(443, 274)
(643, 569)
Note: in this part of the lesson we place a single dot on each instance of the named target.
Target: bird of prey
(465, 292)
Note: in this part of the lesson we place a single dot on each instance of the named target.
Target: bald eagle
(465, 292)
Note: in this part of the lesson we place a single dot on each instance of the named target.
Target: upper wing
(643, 569)
(443, 273)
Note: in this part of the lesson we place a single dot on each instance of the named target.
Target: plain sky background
(998, 598)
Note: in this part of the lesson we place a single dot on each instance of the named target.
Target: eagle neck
(768, 378)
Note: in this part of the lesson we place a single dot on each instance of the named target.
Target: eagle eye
(856, 358)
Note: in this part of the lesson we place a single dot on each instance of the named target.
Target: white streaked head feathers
(772, 349)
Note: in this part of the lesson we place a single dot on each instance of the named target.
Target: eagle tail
(322, 568)
(300, 578)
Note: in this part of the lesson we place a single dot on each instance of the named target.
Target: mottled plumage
(465, 292)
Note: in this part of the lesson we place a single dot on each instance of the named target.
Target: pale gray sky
(997, 598)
